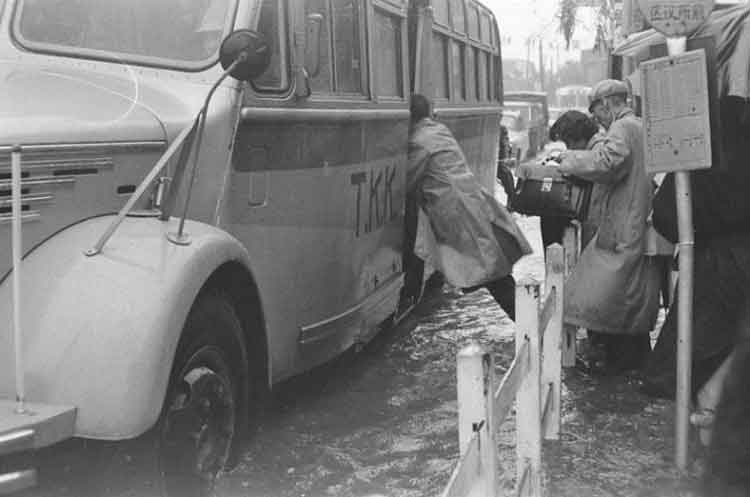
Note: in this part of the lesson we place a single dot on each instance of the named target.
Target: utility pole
(541, 63)
(528, 57)
(627, 25)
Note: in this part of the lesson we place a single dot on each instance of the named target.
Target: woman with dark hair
(579, 132)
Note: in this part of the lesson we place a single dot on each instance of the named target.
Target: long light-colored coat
(614, 288)
(466, 233)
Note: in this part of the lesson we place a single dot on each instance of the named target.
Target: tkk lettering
(373, 199)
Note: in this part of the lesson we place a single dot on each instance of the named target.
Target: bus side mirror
(249, 50)
(312, 44)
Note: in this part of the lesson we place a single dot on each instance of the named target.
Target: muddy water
(383, 421)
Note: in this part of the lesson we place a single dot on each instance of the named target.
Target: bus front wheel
(205, 412)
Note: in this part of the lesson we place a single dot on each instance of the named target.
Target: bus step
(17, 481)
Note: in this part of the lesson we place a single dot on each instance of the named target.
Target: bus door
(320, 179)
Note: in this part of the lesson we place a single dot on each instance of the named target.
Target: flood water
(383, 421)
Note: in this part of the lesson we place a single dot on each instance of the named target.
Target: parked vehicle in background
(258, 236)
(533, 107)
(518, 135)
(554, 113)
(573, 97)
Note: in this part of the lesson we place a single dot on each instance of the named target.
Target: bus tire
(205, 413)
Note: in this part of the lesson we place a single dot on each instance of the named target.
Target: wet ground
(383, 421)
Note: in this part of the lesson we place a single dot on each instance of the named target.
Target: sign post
(678, 140)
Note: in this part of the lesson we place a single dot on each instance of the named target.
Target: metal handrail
(17, 249)
(179, 237)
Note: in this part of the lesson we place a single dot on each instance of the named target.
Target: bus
(183, 240)
(573, 97)
(533, 109)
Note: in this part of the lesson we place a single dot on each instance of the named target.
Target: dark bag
(538, 195)
(721, 204)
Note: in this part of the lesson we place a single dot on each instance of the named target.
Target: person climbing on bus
(461, 229)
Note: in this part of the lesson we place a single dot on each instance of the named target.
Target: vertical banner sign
(675, 113)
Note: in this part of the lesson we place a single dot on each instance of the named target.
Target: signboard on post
(676, 113)
(678, 73)
(676, 17)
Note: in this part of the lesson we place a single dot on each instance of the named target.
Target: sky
(521, 19)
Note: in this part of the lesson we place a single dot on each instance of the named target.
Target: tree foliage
(567, 16)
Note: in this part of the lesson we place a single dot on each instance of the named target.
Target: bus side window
(389, 80)
(347, 57)
(439, 65)
(471, 73)
(273, 26)
(321, 82)
(482, 75)
(459, 70)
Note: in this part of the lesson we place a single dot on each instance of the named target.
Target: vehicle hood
(94, 108)
(87, 146)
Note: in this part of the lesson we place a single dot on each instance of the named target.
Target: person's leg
(596, 350)
(707, 399)
(413, 266)
(729, 450)
(665, 268)
(626, 352)
(719, 294)
(553, 229)
(503, 290)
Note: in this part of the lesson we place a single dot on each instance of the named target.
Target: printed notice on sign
(675, 113)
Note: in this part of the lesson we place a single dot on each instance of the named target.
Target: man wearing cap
(600, 113)
(614, 287)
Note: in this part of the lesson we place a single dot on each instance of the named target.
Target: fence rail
(532, 380)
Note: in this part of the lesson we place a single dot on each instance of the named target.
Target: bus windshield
(175, 33)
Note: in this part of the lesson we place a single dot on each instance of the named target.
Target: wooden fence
(532, 381)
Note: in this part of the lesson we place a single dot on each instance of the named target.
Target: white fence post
(552, 344)
(475, 377)
(570, 246)
(528, 408)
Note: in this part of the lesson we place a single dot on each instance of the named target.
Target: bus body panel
(100, 332)
(321, 201)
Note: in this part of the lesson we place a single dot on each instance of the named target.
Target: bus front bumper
(34, 427)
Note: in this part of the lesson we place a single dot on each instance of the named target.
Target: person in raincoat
(462, 230)
(614, 288)
(598, 110)
(721, 289)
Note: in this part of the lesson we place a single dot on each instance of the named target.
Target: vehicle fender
(100, 332)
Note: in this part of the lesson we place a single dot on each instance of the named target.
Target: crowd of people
(614, 290)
